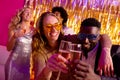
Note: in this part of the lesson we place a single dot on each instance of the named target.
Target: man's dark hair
(63, 13)
(89, 22)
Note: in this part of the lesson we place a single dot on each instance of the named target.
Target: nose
(86, 40)
(53, 29)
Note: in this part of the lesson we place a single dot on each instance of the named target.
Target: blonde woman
(20, 37)
(45, 45)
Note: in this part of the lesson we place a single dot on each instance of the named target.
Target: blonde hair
(39, 40)
(17, 18)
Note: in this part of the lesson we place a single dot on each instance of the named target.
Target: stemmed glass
(64, 50)
(70, 51)
(75, 50)
(76, 53)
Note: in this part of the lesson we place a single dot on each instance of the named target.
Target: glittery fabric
(18, 64)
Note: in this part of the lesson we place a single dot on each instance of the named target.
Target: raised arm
(105, 64)
(11, 33)
(11, 40)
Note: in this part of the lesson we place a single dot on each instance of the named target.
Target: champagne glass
(76, 53)
(64, 50)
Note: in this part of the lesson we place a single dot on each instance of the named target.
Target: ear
(99, 35)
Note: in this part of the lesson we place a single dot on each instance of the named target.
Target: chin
(54, 38)
(87, 48)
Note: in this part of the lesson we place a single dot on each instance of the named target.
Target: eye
(57, 25)
(82, 36)
(92, 37)
(49, 26)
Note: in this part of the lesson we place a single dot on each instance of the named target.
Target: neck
(26, 23)
(53, 44)
(85, 54)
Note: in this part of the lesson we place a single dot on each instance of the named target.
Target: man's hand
(105, 64)
(84, 71)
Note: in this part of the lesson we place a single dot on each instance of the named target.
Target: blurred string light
(106, 11)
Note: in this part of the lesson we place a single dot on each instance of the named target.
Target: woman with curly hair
(17, 66)
(45, 45)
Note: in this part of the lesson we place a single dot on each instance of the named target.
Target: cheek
(45, 33)
(93, 43)
(57, 36)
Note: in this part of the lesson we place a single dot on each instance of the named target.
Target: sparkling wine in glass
(64, 50)
(76, 52)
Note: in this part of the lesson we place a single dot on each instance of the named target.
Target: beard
(87, 47)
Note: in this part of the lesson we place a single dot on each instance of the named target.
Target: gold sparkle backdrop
(106, 11)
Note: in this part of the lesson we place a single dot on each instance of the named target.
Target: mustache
(84, 43)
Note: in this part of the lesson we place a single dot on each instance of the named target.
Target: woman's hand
(19, 33)
(12, 38)
(57, 63)
(105, 64)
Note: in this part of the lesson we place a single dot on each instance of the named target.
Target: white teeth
(53, 34)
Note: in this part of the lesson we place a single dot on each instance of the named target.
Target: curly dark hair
(89, 22)
(63, 13)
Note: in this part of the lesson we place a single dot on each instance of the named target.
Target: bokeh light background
(106, 11)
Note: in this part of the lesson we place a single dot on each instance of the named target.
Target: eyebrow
(52, 24)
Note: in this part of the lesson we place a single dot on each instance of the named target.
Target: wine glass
(76, 53)
(64, 50)
(75, 50)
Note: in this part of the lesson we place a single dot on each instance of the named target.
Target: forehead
(27, 10)
(89, 30)
(57, 12)
(50, 20)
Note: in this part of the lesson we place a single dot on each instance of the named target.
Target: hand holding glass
(64, 51)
